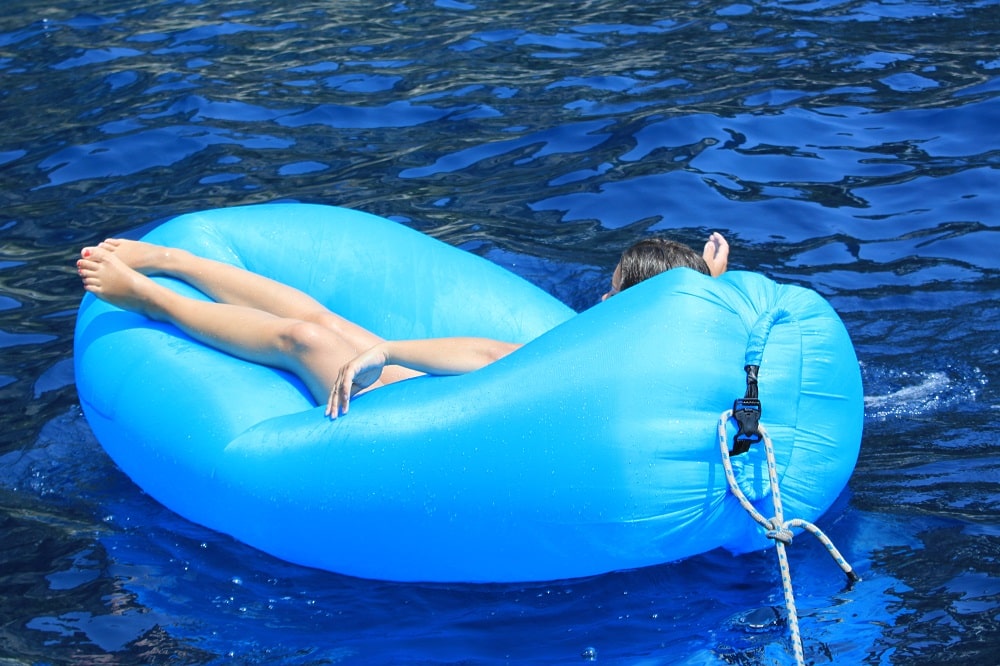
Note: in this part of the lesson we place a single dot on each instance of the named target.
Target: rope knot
(778, 532)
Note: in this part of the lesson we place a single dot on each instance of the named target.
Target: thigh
(356, 336)
(323, 348)
(361, 339)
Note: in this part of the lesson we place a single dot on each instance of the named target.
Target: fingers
(332, 404)
(340, 395)
(716, 254)
(338, 404)
(356, 376)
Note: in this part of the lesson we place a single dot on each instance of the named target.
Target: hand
(716, 254)
(354, 376)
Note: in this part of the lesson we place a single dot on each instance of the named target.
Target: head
(650, 257)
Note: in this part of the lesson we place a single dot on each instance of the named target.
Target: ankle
(174, 261)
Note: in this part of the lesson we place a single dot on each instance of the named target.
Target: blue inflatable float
(591, 449)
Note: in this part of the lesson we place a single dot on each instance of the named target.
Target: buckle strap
(746, 413)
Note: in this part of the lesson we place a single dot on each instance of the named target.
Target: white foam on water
(923, 392)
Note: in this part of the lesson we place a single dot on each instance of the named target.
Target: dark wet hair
(653, 256)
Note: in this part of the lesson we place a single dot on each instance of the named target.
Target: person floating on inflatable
(206, 355)
(264, 321)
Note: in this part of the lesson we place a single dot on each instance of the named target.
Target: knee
(325, 319)
(300, 338)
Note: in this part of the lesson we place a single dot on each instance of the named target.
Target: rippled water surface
(847, 145)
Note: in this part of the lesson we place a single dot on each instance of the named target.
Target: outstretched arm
(434, 356)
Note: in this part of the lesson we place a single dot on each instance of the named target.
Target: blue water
(847, 145)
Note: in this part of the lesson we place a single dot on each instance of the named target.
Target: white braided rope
(777, 528)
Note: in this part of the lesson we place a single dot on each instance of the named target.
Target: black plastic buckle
(746, 412)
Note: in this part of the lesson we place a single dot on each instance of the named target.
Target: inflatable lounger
(592, 448)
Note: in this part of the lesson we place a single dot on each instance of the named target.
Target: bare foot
(110, 279)
(716, 254)
(144, 257)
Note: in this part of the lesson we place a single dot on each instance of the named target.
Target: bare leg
(225, 283)
(313, 352)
